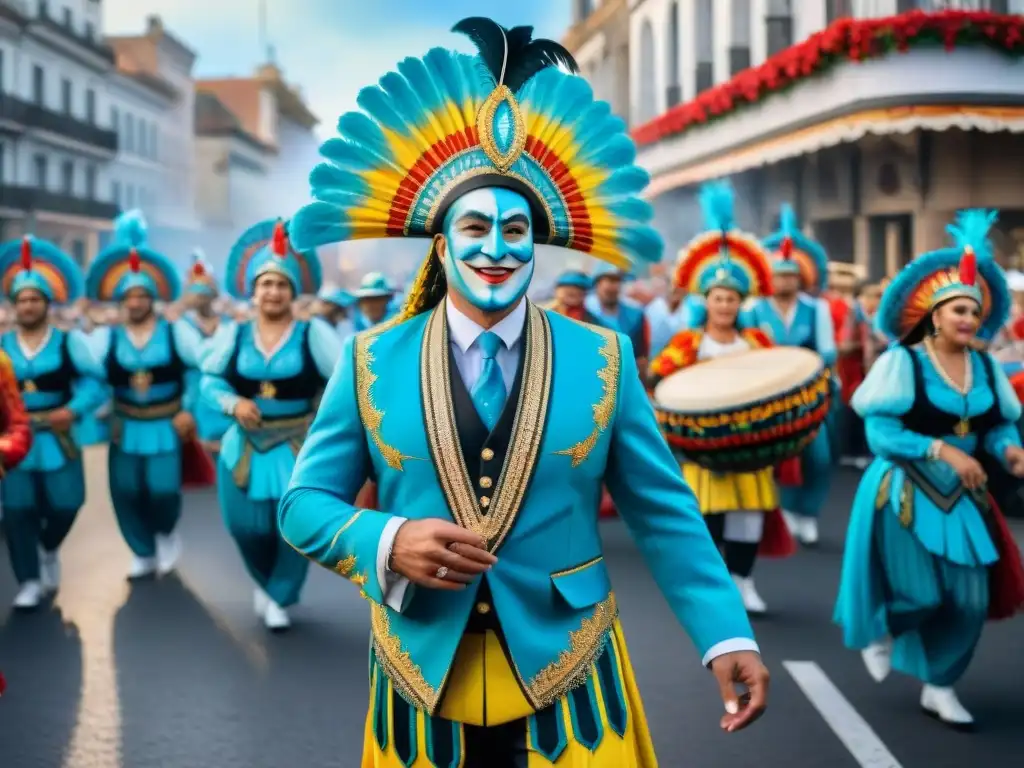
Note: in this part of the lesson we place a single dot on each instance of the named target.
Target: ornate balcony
(27, 116)
(35, 199)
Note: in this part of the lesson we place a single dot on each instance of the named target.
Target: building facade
(152, 106)
(876, 155)
(56, 139)
(599, 39)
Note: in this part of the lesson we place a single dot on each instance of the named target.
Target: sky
(329, 48)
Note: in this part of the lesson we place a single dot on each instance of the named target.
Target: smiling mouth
(493, 275)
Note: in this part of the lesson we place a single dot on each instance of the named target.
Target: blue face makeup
(489, 258)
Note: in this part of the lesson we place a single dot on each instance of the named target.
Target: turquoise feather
(788, 223)
(130, 229)
(971, 229)
(717, 203)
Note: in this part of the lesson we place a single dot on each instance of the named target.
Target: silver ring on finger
(442, 572)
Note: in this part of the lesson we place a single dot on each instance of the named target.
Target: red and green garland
(844, 40)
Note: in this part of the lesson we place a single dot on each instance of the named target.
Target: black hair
(926, 326)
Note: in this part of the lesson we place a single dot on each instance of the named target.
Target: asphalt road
(179, 674)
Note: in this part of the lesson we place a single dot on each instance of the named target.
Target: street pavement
(177, 673)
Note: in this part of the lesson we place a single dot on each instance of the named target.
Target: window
(38, 85)
(115, 120)
(65, 96)
(129, 133)
(42, 168)
(2, 78)
(143, 139)
(2, 163)
(90, 182)
(779, 26)
(129, 196)
(90, 31)
(837, 9)
(115, 192)
(67, 177)
(90, 106)
(78, 251)
(69, 20)
(152, 141)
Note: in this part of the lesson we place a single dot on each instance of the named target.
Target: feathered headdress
(797, 254)
(448, 123)
(129, 262)
(41, 266)
(722, 256)
(966, 269)
(267, 247)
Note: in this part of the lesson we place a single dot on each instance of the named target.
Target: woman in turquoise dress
(268, 375)
(59, 382)
(928, 555)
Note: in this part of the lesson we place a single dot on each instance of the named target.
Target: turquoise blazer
(583, 420)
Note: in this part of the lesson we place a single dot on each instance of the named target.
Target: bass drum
(745, 412)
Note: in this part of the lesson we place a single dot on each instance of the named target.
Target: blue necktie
(489, 391)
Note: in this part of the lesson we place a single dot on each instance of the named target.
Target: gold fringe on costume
(719, 492)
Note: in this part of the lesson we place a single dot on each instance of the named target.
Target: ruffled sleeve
(1006, 434)
(887, 394)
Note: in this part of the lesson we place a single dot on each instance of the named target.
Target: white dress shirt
(463, 334)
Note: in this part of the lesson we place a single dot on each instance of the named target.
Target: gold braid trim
(429, 287)
(604, 408)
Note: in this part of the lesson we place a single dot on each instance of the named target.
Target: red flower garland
(845, 39)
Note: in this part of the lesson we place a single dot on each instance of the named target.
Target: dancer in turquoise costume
(794, 317)
(928, 555)
(373, 301)
(339, 304)
(201, 291)
(267, 374)
(59, 381)
(608, 306)
(490, 425)
(147, 362)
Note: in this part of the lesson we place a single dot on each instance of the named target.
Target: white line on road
(861, 741)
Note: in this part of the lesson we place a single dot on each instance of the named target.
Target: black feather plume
(513, 52)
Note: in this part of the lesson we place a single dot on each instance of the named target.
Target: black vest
(305, 385)
(925, 419)
(58, 381)
(173, 371)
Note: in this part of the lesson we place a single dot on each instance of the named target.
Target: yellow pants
(481, 656)
(727, 492)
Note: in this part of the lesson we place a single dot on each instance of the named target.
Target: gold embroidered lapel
(527, 429)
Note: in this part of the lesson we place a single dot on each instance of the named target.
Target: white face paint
(489, 258)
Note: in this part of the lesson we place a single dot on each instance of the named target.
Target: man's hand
(247, 414)
(61, 419)
(743, 667)
(438, 554)
(184, 424)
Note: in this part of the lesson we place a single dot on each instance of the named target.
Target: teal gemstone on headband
(503, 127)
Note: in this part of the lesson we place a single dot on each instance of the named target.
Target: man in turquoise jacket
(490, 425)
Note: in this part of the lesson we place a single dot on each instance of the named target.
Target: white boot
(260, 601)
(142, 567)
(49, 571)
(275, 618)
(877, 658)
(29, 596)
(751, 600)
(943, 704)
(808, 531)
(792, 521)
(168, 550)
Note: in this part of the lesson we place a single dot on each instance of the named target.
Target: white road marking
(858, 737)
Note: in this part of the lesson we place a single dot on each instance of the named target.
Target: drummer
(796, 316)
(725, 266)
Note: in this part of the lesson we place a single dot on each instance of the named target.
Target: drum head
(733, 381)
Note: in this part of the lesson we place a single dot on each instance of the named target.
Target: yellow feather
(402, 149)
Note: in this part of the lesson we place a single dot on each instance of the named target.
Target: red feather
(786, 248)
(26, 253)
(968, 267)
(134, 262)
(198, 270)
(279, 243)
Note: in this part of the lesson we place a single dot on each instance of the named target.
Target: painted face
(489, 255)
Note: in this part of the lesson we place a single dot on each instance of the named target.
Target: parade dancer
(571, 294)
(201, 292)
(726, 267)
(373, 301)
(928, 555)
(608, 306)
(480, 405)
(60, 382)
(794, 316)
(336, 307)
(146, 361)
(15, 430)
(267, 374)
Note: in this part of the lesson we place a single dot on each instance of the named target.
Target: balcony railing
(46, 19)
(35, 199)
(31, 115)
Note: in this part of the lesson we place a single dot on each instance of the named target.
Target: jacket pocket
(583, 585)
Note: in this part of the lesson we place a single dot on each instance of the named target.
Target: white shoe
(877, 658)
(168, 550)
(49, 571)
(792, 522)
(142, 567)
(275, 618)
(260, 601)
(751, 600)
(29, 596)
(943, 704)
(808, 531)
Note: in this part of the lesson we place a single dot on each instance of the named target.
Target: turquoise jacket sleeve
(324, 346)
(1006, 434)
(88, 392)
(316, 516)
(662, 515)
(189, 343)
(214, 389)
(824, 332)
(885, 395)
